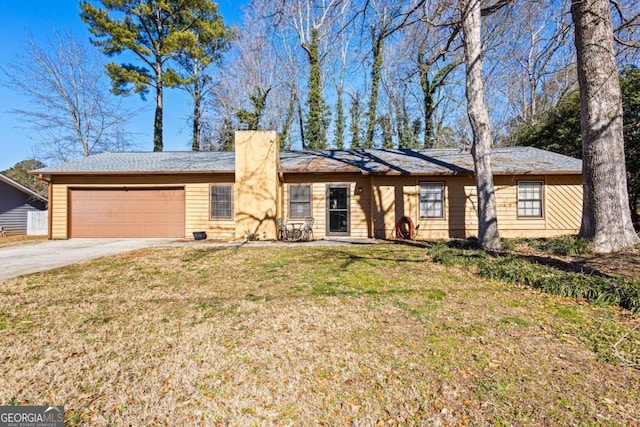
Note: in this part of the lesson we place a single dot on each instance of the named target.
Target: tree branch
(494, 8)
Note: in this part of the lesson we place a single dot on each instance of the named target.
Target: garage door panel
(127, 213)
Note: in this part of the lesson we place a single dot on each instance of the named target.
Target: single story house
(16, 201)
(355, 193)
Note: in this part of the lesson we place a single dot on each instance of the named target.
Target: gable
(8, 182)
(12, 198)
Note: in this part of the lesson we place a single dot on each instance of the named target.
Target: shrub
(562, 245)
(568, 245)
(512, 269)
(509, 244)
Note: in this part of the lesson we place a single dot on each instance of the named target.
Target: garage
(127, 212)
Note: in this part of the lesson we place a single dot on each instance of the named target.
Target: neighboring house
(16, 201)
(356, 193)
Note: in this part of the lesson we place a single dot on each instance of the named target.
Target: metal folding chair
(307, 230)
(282, 228)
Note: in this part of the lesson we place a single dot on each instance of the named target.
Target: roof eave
(85, 173)
(538, 172)
(306, 171)
(22, 188)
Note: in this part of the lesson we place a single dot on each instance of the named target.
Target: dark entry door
(338, 210)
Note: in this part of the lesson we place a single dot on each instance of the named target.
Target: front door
(338, 210)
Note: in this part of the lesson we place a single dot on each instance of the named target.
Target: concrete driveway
(31, 258)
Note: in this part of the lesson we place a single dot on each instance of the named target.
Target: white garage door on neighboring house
(127, 212)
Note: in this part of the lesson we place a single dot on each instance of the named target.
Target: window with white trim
(221, 201)
(432, 200)
(530, 199)
(299, 201)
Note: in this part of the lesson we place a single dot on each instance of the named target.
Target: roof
(452, 161)
(146, 162)
(505, 161)
(20, 187)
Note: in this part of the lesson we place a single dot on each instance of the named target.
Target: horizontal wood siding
(14, 208)
(196, 199)
(374, 211)
(394, 197)
(462, 209)
(144, 180)
(198, 213)
(507, 206)
(564, 204)
(58, 211)
(360, 202)
(360, 208)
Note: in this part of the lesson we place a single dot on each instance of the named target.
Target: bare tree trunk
(488, 236)
(157, 123)
(197, 117)
(339, 143)
(301, 123)
(197, 107)
(606, 217)
(285, 140)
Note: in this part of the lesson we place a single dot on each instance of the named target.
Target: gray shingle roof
(521, 160)
(512, 160)
(153, 162)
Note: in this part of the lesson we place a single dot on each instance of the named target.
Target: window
(530, 199)
(299, 201)
(221, 201)
(432, 200)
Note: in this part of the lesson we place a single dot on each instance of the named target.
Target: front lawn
(275, 335)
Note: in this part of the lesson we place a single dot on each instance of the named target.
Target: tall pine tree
(155, 31)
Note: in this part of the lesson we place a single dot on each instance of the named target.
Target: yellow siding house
(349, 193)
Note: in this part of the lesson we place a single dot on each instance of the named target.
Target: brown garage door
(129, 212)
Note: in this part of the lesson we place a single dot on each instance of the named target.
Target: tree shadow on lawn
(572, 266)
(625, 264)
(352, 258)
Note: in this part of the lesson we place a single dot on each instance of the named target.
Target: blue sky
(17, 17)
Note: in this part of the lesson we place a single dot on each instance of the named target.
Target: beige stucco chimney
(256, 183)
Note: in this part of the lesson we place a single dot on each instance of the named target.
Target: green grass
(516, 321)
(274, 335)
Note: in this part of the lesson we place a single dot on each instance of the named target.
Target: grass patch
(570, 313)
(422, 313)
(20, 239)
(516, 321)
(274, 335)
(97, 320)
